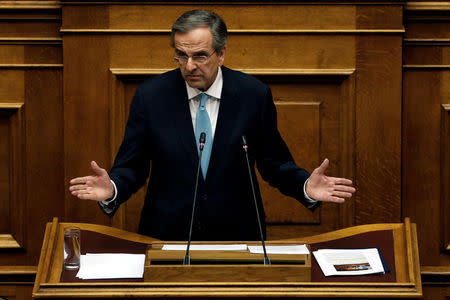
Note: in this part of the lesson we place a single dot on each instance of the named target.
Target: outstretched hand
(329, 189)
(96, 187)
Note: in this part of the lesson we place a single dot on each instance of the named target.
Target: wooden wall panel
(378, 129)
(445, 177)
(86, 116)
(425, 181)
(13, 199)
(31, 106)
(304, 143)
(426, 91)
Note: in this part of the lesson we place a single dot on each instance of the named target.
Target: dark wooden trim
(435, 275)
(17, 275)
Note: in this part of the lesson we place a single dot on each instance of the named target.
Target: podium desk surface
(396, 241)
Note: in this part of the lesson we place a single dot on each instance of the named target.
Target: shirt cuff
(308, 199)
(109, 201)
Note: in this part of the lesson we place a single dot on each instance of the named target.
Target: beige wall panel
(333, 135)
(421, 153)
(30, 54)
(378, 129)
(243, 51)
(43, 54)
(19, 292)
(12, 87)
(86, 117)
(87, 17)
(436, 292)
(424, 55)
(31, 29)
(379, 17)
(445, 87)
(4, 173)
(13, 201)
(44, 154)
(239, 17)
(445, 176)
(142, 51)
(427, 30)
(290, 51)
(299, 124)
(327, 95)
(426, 91)
(446, 56)
(12, 54)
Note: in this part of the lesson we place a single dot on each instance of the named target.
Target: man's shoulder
(242, 78)
(243, 82)
(166, 80)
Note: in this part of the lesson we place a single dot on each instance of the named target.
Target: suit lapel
(182, 118)
(229, 108)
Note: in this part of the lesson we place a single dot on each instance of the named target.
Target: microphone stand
(187, 259)
(245, 147)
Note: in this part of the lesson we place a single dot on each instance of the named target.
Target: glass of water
(71, 248)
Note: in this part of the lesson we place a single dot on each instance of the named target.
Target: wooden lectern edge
(227, 284)
(399, 289)
(226, 292)
(409, 251)
(44, 259)
(341, 233)
(415, 244)
(112, 231)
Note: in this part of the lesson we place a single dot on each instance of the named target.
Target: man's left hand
(329, 189)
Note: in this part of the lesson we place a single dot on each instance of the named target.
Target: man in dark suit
(167, 115)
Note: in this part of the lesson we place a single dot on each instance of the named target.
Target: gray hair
(201, 18)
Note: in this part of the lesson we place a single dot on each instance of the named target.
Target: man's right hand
(96, 187)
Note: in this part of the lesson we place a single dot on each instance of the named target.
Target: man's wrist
(307, 197)
(113, 198)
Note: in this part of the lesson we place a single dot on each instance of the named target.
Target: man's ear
(221, 56)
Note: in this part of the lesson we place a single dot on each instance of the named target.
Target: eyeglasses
(196, 59)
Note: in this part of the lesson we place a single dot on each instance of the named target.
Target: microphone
(245, 147)
(187, 259)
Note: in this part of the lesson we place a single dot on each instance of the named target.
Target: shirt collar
(215, 90)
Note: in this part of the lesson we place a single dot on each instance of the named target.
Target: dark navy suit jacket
(159, 139)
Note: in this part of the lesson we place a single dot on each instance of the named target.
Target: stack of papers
(111, 266)
(349, 261)
(291, 249)
(211, 247)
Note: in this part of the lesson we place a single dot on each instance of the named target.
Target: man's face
(198, 42)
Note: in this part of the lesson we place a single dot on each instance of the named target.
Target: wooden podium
(397, 242)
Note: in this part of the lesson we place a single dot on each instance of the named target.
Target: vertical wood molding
(17, 180)
(445, 176)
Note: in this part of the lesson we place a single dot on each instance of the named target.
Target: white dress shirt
(212, 104)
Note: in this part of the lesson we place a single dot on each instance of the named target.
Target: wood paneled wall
(365, 84)
(426, 139)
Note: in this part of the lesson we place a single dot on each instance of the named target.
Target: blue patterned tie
(203, 124)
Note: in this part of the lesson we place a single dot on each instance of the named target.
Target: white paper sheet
(349, 261)
(291, 249)
(216, 247)
(111, 265)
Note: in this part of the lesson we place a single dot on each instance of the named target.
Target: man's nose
(190, 65)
